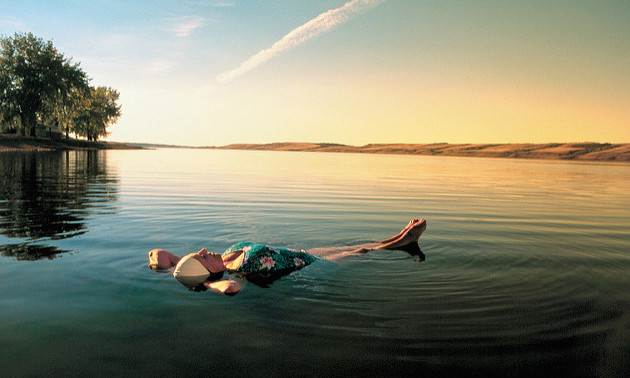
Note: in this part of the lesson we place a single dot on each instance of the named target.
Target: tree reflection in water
(26, 251)
(48, 196)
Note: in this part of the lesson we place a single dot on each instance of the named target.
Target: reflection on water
(526, 270)
(414, 250)
(25, 251)
(49, 196)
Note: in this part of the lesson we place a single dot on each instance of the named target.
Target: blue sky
(385, 72)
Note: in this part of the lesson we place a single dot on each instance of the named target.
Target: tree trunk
(29, 124)
(32, 130)
(21, 130)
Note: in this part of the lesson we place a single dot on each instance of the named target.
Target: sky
(216, 72)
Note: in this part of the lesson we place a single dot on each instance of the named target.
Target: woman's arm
(229, 287)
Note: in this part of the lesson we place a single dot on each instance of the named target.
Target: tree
(63, 110)
(59, 109)
(95, 112)
(34, 78)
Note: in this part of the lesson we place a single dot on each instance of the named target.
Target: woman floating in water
(259, 261)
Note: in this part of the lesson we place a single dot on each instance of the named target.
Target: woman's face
(211, 261)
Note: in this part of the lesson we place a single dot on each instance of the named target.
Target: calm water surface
(526, 269)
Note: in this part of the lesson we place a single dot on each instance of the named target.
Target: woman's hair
(200, 287)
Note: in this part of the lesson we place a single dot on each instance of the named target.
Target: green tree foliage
(38, 85)
(62, 111)
(95, 112)
(33, 73)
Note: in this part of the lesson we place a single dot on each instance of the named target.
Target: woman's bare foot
(398, 235)
(409, 235)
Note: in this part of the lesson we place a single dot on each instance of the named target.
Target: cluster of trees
(41, 87)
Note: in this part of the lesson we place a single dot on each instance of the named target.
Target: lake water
(526, 268)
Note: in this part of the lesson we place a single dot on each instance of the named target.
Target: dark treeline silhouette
(48, 196)
(43, 93)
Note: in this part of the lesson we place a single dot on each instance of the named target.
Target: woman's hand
(229, 287)
(161, 259)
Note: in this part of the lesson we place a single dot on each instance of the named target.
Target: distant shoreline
(551, 151)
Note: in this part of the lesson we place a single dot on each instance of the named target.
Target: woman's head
(190, 272)
(195, 268)
(213, 262)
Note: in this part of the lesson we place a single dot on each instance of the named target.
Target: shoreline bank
(551, 151)
(19, 143)
(605, 152)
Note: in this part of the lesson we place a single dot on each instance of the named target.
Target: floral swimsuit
(267, 260)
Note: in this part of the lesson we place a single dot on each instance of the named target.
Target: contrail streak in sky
(301, 34)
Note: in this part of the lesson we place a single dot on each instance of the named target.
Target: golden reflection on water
(486, 194)
(551, 183)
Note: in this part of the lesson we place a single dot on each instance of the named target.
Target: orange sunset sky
(358, 72)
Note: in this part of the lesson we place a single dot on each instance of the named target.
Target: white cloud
(159, 65)
(301, 34)
(223, 5)
(186, 26)
(13, 24)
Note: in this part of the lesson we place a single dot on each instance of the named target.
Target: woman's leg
(410, 234)
(411, 223)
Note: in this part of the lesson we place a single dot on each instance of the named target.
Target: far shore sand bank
(555, 151)
(551, 151)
